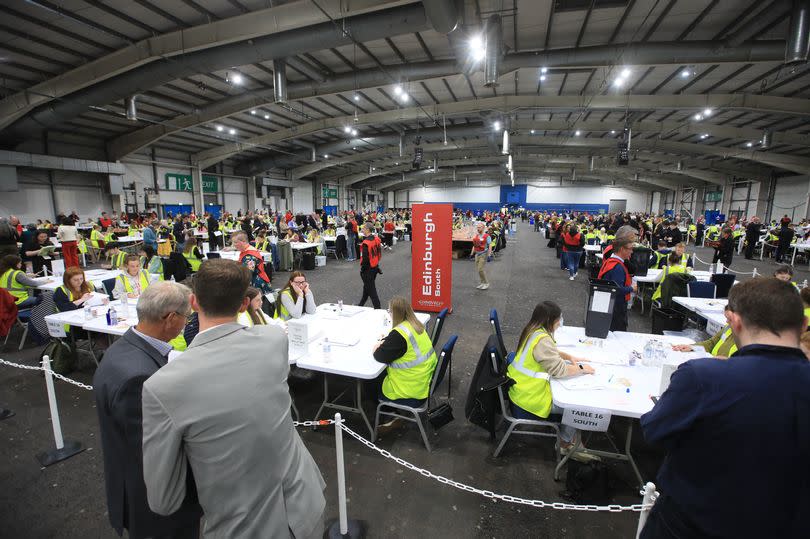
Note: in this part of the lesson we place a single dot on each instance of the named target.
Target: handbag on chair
(440, 415)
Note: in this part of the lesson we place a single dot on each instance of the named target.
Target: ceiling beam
(242, 27)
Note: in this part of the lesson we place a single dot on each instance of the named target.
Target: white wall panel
(790, 197)
(302, 197)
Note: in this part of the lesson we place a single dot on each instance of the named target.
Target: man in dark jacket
(785, 235)
(752, 232)
(756, 407)
(117, 385)
(614, 269)
(212, 225)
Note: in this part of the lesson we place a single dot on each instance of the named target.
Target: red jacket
(8, 312)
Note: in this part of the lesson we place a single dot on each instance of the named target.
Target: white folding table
(618, 388)
(355, 361)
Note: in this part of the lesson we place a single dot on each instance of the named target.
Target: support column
(197, 190)
(250, 193)
(725, 204)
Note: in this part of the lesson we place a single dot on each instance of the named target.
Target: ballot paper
(586, 382)
(96, 299)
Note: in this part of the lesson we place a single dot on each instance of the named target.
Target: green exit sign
(714, 196)
(184, 182)
(330, 192)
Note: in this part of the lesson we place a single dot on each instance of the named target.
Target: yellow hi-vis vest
(9, 281)
(723, 338)
(193, 261)
(245, 319)
(281, 310)
(179, 343)
(128, 286)
(531, 390)
(117, 261)
(409, 376)
(667, 271)
(95, 237)
(70, 297)
(807, 314)
(82, 245)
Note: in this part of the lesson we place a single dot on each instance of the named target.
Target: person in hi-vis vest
(536, 361)
(408, 352)
(134, 281)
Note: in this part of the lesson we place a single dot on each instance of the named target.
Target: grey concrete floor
(67, 500)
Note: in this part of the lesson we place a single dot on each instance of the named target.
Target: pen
(611, 378)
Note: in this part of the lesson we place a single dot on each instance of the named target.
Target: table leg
(793, 258)
(605, 454)
(358, 402)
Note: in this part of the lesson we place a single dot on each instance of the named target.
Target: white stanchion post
(341, 475)
(755, 273)
(64, 448)
(343, 527)
(649, 497)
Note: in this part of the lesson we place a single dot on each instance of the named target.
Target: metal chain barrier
(493, 495)
(710, 264)
(613, 508)
(54, 374)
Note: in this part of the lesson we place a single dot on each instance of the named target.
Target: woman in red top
(572, 244)
(481, 251)
(388, 233)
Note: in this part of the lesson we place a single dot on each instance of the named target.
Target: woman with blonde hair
(192, 254)
(409, 354)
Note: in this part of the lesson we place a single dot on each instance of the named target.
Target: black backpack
(62, 356)
(587, 483)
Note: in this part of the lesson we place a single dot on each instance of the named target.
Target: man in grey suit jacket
(117, 385)
(224, 407)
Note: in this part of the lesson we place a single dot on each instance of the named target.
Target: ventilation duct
(280, 81)
(798, 40)
(442, 14)
(492, 60)
(766, 140)
(132, 109)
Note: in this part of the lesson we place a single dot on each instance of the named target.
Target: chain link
(315, 423)
(55, 374)
(638, 507)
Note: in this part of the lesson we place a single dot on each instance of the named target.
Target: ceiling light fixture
(237, 79)
(231, 131)
(542, 78)
(497, 126)
(397, 89)
(685, 74)
(266, 116)
(704, 136)
(577, 133)
(543, 70)
(219, 128)
(532, 131)
(357, 97)
(354, 132)
(749, 144)
(404, 97)
(253, 112)
(612, 131)
(477, 49)
(707, 112)
(698, 117)
(326, 156)
(347, 129)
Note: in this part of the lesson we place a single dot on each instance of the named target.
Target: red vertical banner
(431, 257)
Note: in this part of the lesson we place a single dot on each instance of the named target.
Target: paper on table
(600, 302)
(96, 299)
(588, 381)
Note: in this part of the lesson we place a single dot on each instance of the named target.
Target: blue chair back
(109, 285)
(437, 326)
(445, 357)
(724, 282)
(496, 330)
(701, 289)
(593, 241)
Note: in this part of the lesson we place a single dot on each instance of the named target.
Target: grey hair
(241, 234)
(162, 298)
(625, 232)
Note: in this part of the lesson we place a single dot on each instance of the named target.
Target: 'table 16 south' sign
(184, 182)
(431, 260)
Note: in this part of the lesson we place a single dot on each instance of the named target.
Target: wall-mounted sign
(330, 192)
(183, 182)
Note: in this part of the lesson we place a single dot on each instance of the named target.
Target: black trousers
(619, 320)
(369, 287)
(751, 242)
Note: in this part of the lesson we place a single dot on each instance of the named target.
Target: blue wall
(548, 207)
(513, 194)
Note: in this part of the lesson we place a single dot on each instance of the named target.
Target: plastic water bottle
(125, 302)
(660, 354)
(112, 317)
(646, 357)
(88, 312)
(340, 306)
(326, 350)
